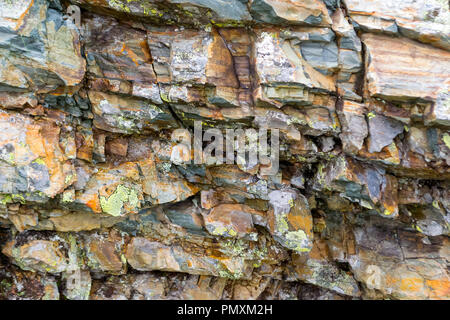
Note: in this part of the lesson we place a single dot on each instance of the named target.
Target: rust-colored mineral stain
(94, 204)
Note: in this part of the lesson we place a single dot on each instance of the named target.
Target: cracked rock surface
(97, 200)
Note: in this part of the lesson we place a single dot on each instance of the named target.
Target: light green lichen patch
(371, 115)
(116, 201)
(418, 228)
(446, 139)
(281, 223)
(298, 241)
(294, 240)
(8, 158)
(234, 247)
(17, 197)
(39, 161)
(68, 179)
(436, 204)
(68, 196)
(224, 231)
(5, 199)
(116, 4)
(230, 275)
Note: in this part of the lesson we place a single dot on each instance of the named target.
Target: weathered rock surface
(100, 197)
(423, 20)
(396, 67)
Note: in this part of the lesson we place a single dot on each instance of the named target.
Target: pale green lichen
(234, 247)
(230, 275)
(68, 179)
(446, 139)
(294, 240)
(281, 224)
(224, 231)
(125, 123)
(436, 204)
(116, 4)
(165, 167)
(18, 197)
(10, 158)
(114, 204)
(5, 199)
(39, 161)
(291, 203)
(67, 197)
(123, 259)
(418, 228)
(297, 241)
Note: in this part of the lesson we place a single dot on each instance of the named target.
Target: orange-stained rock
(120, 114)
(31, 149)
(231, 220)
(104, 255)
(38, 255)
(380, 263)
(290, 220)
(354, 126)
(100, 197)
(143, 254)
(52, 46)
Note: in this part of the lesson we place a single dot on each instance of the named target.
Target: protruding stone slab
(423, 20)
(401, 69)
(35, 37)
(295, 12)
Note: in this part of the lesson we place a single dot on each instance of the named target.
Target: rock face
(101, 196)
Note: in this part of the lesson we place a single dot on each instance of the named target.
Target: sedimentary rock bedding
(100, 200)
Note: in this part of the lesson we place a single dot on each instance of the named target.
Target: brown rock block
(38, 255)
(232, 220)
(354, 126)
(117, 54)
(396, 69)
(279, 62)
(290, 220)
(120, 114)
(54, 49)
(143, 254)
(32, 148)
(409, 269)
(309, 12)
(422, 20)
(103, 254)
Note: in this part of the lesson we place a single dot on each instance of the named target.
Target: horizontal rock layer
(99, 198)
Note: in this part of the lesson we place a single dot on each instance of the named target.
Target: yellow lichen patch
(411, 284)
(114, 204)
(439, 289)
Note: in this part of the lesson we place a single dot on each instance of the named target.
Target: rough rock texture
(97, 200)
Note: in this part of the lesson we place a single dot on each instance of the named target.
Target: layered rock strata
(98, 202)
